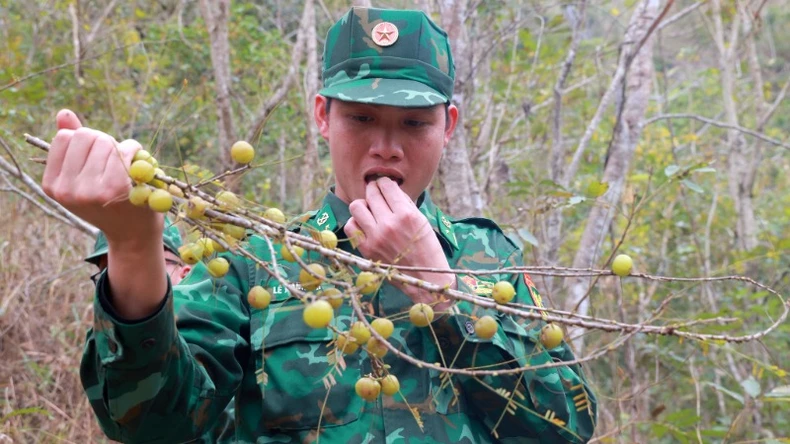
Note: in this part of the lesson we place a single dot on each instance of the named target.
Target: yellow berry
(274, 215)
(139, 194)
(216, 246)
(421, 314)
(141, 171)
(196, 207)
(227, 200)
(152, 160)
(141, 155)
(160, 200)
(156, 183)
(207, 245)
(234, 231)
(218, 267)
(190, 254)
(242, 152)
(383, 326)
(360, 332)
(318, 314)
(368, 282)
(390, 385)
(346, 344)
(333, 296)
(328, 239)
(376, 348)
(551, 336)
(503, 292)
(622, 265)
(310, 282)
(258, 297)
(367, 388)
(286, 254)
(486, 327)
(175, 191)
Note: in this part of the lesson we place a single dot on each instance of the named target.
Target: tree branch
(719, 124)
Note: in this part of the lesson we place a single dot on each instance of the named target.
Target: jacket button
(148, 343)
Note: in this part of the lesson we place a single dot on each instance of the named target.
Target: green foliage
(148, 75)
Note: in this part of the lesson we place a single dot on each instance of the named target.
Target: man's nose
(386, 146)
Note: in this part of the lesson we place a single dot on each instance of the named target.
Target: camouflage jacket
(168, 378)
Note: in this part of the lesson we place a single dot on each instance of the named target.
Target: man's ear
(183, 272)
(452, 120)
(321, 116)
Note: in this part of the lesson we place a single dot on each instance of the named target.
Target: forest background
(654, 128)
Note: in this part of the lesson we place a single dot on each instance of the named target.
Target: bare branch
(719, 124)
(279, 94)
(683, 12)
(20, 175)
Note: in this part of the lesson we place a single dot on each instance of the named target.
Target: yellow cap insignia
(385, 34)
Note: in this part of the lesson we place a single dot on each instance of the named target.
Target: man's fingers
(120, 159)
(376, 202)
(355, 235)
(79, 148)
(96, 162)
(362, 215)
(128, 149)
(66, 119)
(57, 152)
(395, 197)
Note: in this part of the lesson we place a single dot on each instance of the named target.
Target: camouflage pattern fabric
(415, 70)
(168, 378)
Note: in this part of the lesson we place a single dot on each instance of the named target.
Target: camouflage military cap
(388, 57)
(171, 238)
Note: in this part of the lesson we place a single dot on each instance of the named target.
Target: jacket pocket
(301, 380)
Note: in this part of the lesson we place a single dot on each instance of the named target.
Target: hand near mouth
(395, 232)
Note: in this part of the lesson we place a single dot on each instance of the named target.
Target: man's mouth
(371, 177)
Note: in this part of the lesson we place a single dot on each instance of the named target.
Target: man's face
(173, 264)
(369, 141)
(175, 268)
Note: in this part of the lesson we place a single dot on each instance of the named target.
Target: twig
(716, 123)
(33, 186)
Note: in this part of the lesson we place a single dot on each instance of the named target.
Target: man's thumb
(68, 120)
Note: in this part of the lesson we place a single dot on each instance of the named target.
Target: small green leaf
(751, 386)
(597, 189)
(704, 170)
(732, 394)
(671, 170)
(692, 186)
(782, 392)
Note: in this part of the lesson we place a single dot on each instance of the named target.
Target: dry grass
(45, 310)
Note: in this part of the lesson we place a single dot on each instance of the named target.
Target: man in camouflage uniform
(163, 362)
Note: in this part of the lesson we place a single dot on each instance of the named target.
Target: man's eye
(362, 118)
(415, 123)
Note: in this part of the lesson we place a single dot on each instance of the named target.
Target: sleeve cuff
(125, 344)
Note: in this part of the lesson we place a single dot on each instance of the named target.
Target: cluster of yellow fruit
(369, 388)
(143, 172)
(349, 342)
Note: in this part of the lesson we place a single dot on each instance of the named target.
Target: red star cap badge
(384, 34)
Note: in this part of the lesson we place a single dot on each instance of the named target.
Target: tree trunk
(635, 88)
(550, 247)
(310, 165)
(215, 13)
(462, 197)
(738, 156)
